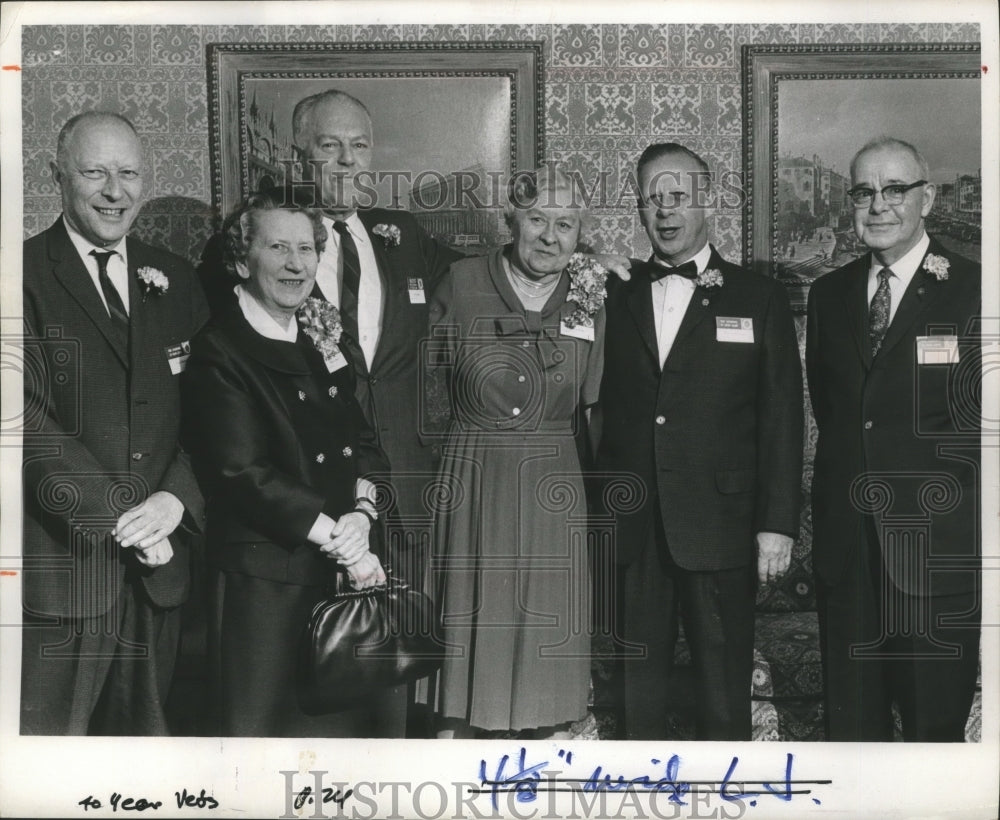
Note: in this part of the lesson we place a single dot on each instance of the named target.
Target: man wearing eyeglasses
(894, 379)
(701, 400)
(110, 500)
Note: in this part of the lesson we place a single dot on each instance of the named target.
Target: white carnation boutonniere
(321, 322)
(709, 278)
(390, 234)
(586, 290)
(153, 281)
(937, 266)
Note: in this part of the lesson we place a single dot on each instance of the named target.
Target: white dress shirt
(117, 265)
(671, 297)
(330, 278)
(903, 269)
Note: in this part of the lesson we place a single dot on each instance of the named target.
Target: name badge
(733, 329)
(177, 357)
(415, 286)
(334, 362)
(578, 332)
(940, 349)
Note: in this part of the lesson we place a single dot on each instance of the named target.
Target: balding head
(99, 171)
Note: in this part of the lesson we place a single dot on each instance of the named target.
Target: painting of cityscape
(821, 125)
(441, 147)
(451, 121)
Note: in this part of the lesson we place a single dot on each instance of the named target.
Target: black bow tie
(689, 270)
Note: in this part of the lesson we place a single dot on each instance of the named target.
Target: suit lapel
(698, 308)
(390, 287)
(639, 298)
(70, 272)
(923, 289)
(856, 306)
(142, 307)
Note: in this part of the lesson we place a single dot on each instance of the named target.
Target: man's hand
(149, 522)
(774, 554)
(348, 539)
(618, 265)
(155, 555)
(367, 572)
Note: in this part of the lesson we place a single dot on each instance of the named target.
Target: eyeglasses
(668, 200)
(862, 196)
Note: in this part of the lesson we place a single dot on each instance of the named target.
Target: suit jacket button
(661, 419)
(869, 424)
(136, 456)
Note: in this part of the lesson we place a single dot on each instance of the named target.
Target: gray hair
(240, 226)
(304, 109)
(893, 142)
(84, 117)
(527, 189)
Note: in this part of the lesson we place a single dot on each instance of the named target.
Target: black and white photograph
(541, 410)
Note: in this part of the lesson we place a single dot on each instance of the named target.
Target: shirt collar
(700, 259)
(354, 225)
(906, 266)
(84, 246)
(262, 321)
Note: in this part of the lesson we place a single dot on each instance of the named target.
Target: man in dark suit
(702, 402)
(895, 385)
(107, 490)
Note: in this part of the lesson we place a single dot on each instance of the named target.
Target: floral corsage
(937, 265)
(321, 322)
(153, 281)
(709, 278)
(586, 290)
(390, 234)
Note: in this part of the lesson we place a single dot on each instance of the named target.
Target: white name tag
(937, 349)
(177, 357)
(733, 329)
(578, 332)
(415, 286)
(334, 362)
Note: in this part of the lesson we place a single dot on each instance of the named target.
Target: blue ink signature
(525, 781)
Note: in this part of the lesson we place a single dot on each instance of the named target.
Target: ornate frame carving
(230, 65)
(765, 67)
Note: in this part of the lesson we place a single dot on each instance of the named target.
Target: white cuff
(320, 532)
(363, 488)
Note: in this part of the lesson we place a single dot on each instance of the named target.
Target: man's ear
(56, 173)
(930, 191)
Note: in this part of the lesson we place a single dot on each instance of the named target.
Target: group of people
(285, 422)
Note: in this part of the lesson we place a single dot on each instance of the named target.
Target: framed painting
(807, 111)
(451, 122)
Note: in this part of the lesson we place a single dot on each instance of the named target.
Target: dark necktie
(352, 280)
(689, 270)
(119, 317)
(878, 313)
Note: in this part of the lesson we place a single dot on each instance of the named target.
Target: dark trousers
(108, 675)
(254, 637)
(881, 646)
(717, 609)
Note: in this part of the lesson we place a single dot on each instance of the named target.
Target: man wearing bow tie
(108, 493)
(894, 369)
(702, 402)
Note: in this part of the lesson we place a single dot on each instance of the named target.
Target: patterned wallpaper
(610, 90)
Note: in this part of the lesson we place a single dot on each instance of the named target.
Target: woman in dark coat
(282, 450)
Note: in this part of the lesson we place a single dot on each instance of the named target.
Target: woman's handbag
(357, 641)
